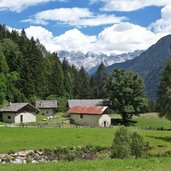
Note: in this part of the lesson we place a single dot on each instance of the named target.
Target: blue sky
(102, 26)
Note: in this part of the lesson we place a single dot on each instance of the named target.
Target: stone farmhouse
(47, 107)
(19, 113)
(93, 116)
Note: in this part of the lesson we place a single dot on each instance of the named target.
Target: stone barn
(47, 107)
(93, 116)
(19, 113)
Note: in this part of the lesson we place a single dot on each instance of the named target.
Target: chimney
(9, 103)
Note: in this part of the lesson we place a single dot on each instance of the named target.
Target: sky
(100, 26)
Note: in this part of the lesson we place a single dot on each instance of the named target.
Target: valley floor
(15, 139)
(154, 130)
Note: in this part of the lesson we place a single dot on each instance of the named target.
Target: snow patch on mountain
(91, 60)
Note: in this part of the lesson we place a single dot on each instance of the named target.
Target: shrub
(126, 144)
(121, 144)
(138, 146)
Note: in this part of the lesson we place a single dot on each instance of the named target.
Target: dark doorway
(104, 123)
(21, 118)
(0, 116)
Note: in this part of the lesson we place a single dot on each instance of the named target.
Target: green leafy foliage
(164, 93)
(138, 145)
(121, 144)
(28, 72)
(126, 144)
(127, 94)
(100, 82)
(82, 89)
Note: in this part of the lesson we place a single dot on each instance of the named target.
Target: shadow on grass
(167, 139)
(116, 121)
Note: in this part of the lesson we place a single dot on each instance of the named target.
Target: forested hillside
(28, 72)
(149, 64)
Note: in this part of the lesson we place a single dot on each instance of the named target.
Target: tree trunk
(125, 119)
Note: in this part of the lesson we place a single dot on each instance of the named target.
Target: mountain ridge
(90, 60)
(149, 64)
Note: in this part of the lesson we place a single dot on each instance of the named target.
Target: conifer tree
(82, 85)
(100, 82)
(3, 63)
(67, 77)
(164, 92)
(56, 78)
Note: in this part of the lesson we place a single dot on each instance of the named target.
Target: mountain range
(90, 60)
(149, 64)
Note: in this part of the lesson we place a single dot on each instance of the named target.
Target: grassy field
(152, 164)
(146, 121)
(40, 138)
(18, 138)
(151, 120)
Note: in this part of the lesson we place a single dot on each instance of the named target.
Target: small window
(9, 117)
(81, 116)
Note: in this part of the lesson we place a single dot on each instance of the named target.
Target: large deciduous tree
(164, 92)
(127, 94)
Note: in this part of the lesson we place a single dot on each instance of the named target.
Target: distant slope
(149, 64)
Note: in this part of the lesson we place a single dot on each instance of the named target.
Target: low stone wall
(22, 157)
(55, 155)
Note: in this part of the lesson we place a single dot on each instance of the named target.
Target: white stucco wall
(47, 112)
(105, 120)
(15, 117)
(27, 117)
(6, 115)
(92, 120)
(87, 120)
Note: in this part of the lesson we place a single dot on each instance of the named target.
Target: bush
(121, 144)
(138, 146)
(126, 144)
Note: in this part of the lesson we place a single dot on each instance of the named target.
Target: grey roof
(86, 102)
(46, 104)
(15, 107)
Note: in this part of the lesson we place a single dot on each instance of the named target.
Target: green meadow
(20, 138)
(14, 139)
(152, 164)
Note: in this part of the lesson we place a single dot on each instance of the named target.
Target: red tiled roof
(89, 110)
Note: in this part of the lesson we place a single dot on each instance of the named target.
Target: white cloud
(70, 40)
(46, 37)
(19, 5)
(163, 25)
(129, 5)
(119, 38)
(125, 37)
(75, 40)
(78, 17)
